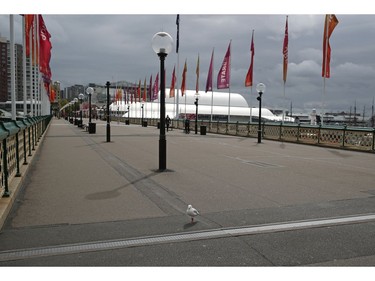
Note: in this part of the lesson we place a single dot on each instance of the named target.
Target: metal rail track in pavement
(180, 237)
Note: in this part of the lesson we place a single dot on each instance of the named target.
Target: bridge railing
(18, 140)
(355, 138)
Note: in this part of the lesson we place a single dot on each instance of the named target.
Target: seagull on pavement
(192, 212)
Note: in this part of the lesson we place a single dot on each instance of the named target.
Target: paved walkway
(79, 180)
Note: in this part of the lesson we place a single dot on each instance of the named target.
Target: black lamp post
(71, 112)
(89, 92)
(75, 111)
(80, 97)
(260, 89)
(162, 44)
(108, 125)
(142, 115)
(196, 112)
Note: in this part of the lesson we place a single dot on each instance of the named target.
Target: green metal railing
(355, 138)
(18, 138)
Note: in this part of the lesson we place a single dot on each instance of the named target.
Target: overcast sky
(99, 48)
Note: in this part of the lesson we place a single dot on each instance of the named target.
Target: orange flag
(249, 75)
(329, 25)
(173, 82)
(29, 20)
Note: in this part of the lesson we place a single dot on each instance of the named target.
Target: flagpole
(230, 44)
(12, 68)
(185, 100)
(284, 107)
(34, 67)
(31, 68)
(212, 88)
(251, 108)
(38, 64)
(178, 87)
(24, 65)
(325, 68)
(174, 99)
(37, 68)
(372, 113)
(249, 82)
(285, 65)
(178, 67)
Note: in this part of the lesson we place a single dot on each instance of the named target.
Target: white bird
(192, 212)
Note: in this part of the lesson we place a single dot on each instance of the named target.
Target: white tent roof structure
(215, 103)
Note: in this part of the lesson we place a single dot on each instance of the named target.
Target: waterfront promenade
(85, 201)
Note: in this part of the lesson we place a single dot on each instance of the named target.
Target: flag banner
(126, 94)
(329, 25)
(52, 96)
(34, 46)
(156, 88)
(209, 76)
(178, 32)
(197, 81)
(183, 84)
(173, 82)
(144, 98)
(117, 95)
(285, 51)
(249, 75)
(29, 20)
(48, 90)
(149, 91)
(138, 92)
(45, 47)
(223, 77)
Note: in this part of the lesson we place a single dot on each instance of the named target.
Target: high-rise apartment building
(5, 72)
(3, 69)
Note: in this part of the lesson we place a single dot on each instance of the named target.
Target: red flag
(223, 77)
(156, 87)
(29, 20)
(329, 25)
(173, 82)
(249, 75)
(183, 84)
(149, 91)
(144, 99)
(209, 76)
(45, 48)
(285, 51)
(131, 94)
